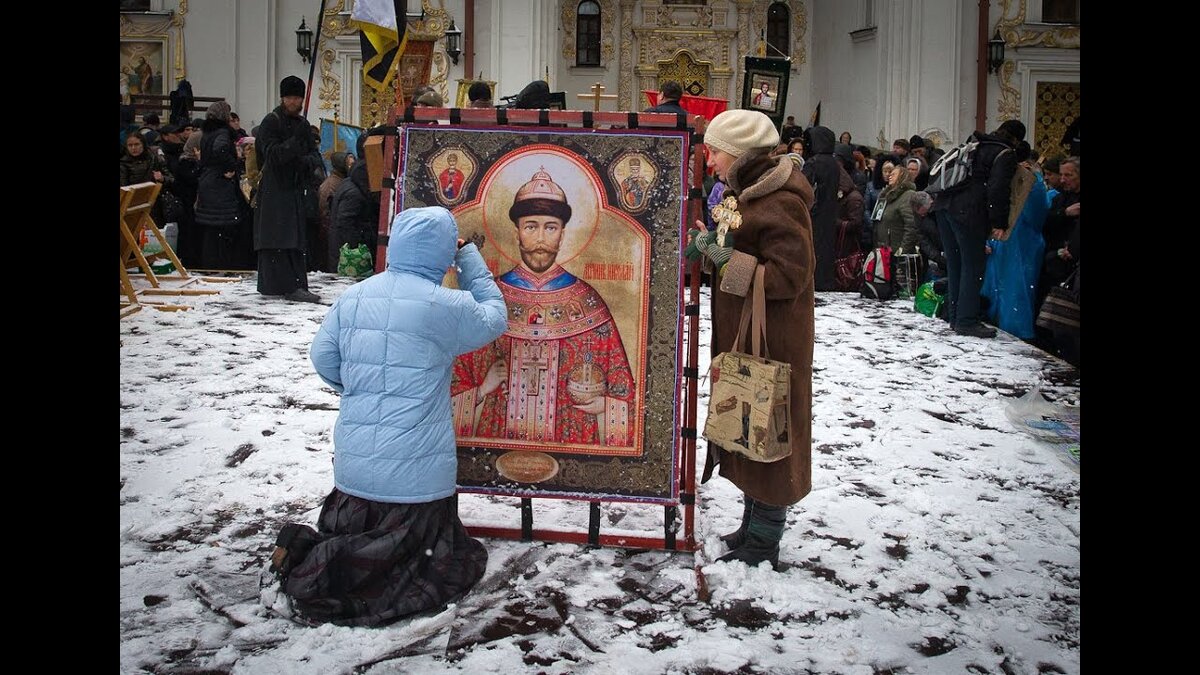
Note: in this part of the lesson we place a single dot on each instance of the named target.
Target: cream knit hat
(736, 131)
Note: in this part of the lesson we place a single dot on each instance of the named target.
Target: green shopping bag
(926, 301)
(355, 262)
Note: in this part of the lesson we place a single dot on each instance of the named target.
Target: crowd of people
(992, 248)
(787, 209)
(260, 200)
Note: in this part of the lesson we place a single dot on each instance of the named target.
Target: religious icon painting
(634, 174)
(452, 168)
(580, 397)
(765, 86)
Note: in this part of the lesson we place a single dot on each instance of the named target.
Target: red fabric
(705, 106)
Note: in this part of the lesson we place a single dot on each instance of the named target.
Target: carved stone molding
(624, 82)
(329, 92)
(709, 48)
(656, 45)
(744, 8)
(160, 27)
(1009, 107)
(667, 16)
(567, 19)
(1016, 33)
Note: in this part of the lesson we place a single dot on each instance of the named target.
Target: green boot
(763, 532)
(738, 537)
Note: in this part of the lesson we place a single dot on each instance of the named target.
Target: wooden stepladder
(136, 202)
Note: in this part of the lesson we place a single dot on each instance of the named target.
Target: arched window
(587, 34)
(778, 38)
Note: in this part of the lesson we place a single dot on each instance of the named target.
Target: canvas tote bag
(749, 407)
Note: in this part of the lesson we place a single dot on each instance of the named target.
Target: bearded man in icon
(559, 373)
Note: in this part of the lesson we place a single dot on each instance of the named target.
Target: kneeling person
(388, 541)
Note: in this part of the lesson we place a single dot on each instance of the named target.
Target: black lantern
(304, 41)
(452, 45)
(995, 52)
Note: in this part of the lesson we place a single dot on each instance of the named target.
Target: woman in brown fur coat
(772, 198)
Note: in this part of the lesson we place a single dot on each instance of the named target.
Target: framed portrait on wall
(765, 86)
(580, 397)
(143, 66)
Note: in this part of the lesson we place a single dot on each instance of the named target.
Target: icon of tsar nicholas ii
(559, 374)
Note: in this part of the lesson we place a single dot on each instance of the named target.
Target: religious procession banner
(580, 397)
(766, 86)
(338, 137)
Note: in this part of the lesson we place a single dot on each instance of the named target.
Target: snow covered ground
(938, 538)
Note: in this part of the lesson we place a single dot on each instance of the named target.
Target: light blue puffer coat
(388, 345)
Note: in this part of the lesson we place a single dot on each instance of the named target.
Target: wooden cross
(597, 95)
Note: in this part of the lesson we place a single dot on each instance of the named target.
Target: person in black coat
(668, 99)
(821, 170)
(968, 215)
(219, 203)
(187, 176)
(283, 142)
(182, 101)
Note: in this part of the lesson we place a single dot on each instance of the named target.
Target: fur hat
(541, 196)
(291, 86)
(916, 142)
(219, 110)
(739, 131)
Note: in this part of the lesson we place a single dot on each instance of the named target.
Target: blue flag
(346, 140)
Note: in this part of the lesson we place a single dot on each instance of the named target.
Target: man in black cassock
(282, 143)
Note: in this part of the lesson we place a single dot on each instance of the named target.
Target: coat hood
(423, 241)
(822, 140)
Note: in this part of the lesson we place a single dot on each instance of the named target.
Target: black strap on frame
(526, 519)
(594, 524)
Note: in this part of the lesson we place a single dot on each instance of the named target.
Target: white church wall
(843, 73)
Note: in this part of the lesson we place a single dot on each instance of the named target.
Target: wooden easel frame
(687, 433)
(136, 203)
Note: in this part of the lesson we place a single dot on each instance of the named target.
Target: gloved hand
(720, 254)
(697, 240)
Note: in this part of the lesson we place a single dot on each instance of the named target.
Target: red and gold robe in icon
(558, 328)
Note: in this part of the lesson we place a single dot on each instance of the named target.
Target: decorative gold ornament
(1017, 33)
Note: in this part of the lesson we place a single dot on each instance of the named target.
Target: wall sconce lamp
(452, 42)
(304, 38)
(995, 53)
